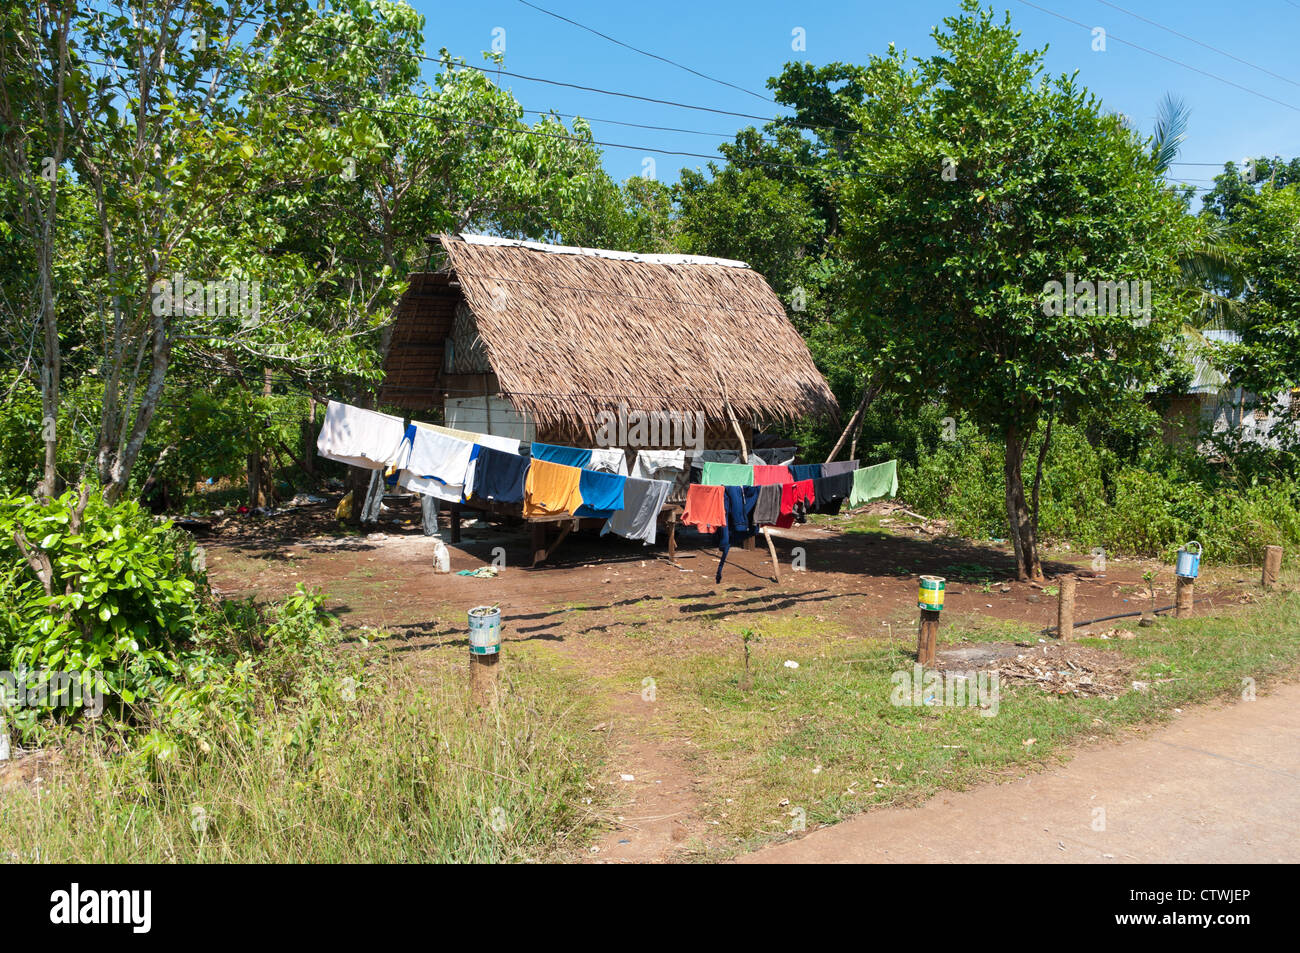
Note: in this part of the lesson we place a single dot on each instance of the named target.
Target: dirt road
(1221, 784)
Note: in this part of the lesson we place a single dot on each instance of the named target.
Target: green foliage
(119, 593)
(20, 432)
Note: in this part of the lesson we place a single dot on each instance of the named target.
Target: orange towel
(705, 507)
(551, 489)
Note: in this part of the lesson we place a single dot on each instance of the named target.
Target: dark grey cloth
(840, 466)
(768, 508)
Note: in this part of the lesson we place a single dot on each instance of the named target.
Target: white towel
(359, 438)
(648, 463)
(609, 460)
(437, 465)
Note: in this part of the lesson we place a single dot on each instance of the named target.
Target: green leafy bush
(105, 590)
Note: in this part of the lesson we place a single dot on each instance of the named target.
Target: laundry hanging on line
(639, 518)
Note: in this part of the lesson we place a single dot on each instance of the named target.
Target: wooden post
(1065, 608)
(1272, 566)
(484, 677)
(455, 522)
(672, 537)
(927, 636)
(539, 542)
(776, 563)
(748, 543)
(1183, 597)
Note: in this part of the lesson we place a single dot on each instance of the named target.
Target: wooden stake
(927, 636)
(484, 677)
(1183, 597)
(1065, 608)
(1272, 566)
(539, 542)
(776, 563)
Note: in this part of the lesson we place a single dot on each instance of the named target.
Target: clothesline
(463, 466)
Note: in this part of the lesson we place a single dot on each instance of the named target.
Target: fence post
(1272, 566)
(1065, 608)
(927, 636)
(1183, 596)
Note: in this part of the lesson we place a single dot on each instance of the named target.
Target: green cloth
(871, 483)
(726, 474)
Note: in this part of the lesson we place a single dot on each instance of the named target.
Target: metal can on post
(1188, 564)
(930, 594)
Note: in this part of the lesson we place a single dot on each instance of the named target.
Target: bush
(104, 591)
(126, 608)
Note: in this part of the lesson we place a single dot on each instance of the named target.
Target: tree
(983, 195)
(1266, 227)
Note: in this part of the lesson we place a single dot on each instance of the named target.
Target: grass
(824, 740)
(406, 775)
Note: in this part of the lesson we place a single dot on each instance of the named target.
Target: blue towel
(806, 471)
(569, 456)
(602, 493)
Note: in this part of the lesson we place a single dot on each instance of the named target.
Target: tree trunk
(869, 391)
(1023, 538)
(254, 477)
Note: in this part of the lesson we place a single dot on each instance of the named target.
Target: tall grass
(404, 773)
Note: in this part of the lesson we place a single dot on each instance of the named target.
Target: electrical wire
(1168, 59)
(653, 56)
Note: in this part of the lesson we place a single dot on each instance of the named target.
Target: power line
(637, 125)
(525, 130)
(1168, 59)
(654, 56)
(1192, 39)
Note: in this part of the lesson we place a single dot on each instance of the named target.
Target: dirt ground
(595, 593)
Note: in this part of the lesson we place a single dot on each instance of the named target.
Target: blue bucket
(1189, 563)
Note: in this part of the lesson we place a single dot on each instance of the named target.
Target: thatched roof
(572, 332)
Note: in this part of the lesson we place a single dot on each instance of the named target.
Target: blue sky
(746, 41)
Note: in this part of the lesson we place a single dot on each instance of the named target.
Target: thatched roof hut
(565, 333)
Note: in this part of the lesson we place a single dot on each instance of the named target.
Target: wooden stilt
(672, 538)
(1065, 608)
(1183, 597)
(776, 563)
(455, 522)
(539, 542)
(1272, 566)
(749, 542)
(927, 636)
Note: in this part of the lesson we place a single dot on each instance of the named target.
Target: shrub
(93, 588)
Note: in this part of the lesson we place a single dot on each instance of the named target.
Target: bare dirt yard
(618, 612)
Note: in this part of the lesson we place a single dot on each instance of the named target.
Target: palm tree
(1211, 267)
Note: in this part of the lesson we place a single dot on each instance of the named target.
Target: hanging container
(485, 630)
(1189, 563)
(930, 595)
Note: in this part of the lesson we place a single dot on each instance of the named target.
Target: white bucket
(485, 630)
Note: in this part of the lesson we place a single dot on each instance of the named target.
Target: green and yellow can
(930, 595)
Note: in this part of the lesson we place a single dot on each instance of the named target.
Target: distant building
(1210, 403)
